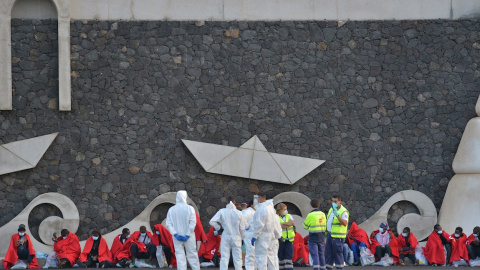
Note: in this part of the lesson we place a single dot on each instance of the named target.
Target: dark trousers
(317, 250)
(381, 251)
(473, 251)
(410, 256)
(23, 254)
(448, 247)
(168, 254)
(334, 252)
(285, 254)
(151, 251)
(90, 263)
(64, 263)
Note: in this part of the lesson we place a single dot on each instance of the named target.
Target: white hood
(182, 196)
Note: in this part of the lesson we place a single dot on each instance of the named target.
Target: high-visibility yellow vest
(315, 222)
(338, 230)
(287, 234)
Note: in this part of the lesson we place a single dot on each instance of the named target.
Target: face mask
(215, 233)
(128, 236)
(334, 205)
(476, 235)
(457, 235)
(404, 234)
(95, 238)
(285, 212)
(158, 232)
(381, 230)
(21, 233)
(143, 234)
(440, 232)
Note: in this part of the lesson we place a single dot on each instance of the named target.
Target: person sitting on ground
(300, 250)
(357, 237)
(383, 242)
(459, 249)
(118, 242)
(67, 248)
(434, 249)
(164, 238)
(407, 242)
(96, 251)
(138, 246)
(20, 248)
(209, 251)
(473, 244)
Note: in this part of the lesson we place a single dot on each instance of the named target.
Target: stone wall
(385, 103)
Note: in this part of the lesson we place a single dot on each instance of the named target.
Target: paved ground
(360, 268)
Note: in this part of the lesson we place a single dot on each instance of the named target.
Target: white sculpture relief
(25, 154)
(251, 160)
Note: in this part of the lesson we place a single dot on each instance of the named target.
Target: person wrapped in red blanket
(357, 237)
(434, 249)
(199, 231)
(383, 242)
(473, 244)
(164, 238)
(210, 250)
(20, 248)
(459, 249)
(96, 251)
(407, 242)
(118, 242)
(300, 250)
(67, 248)
(138, 246)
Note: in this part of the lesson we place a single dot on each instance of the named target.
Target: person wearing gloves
(20, 248)
(96, 251)
(266, 231)
(285, 250)
(249, 249)
(437, 241)
(315, 223)
(407, 242)
(232, 222)
(181, 222)
(473, 244)
(337, 222)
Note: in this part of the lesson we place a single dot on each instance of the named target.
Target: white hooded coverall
(233, 223)
(267, 230)
(249, 249)
(181, 220)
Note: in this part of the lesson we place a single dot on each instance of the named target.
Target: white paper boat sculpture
(251, 160)
(24, 154)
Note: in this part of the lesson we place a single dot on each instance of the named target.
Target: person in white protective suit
(181, 221)
(247, 241)
(266, 232)
(233, 223)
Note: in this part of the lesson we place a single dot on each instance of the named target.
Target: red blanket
(199, 231)
(68, 248)
(116, 246)
(459, 250)
(470, 239)
(300, 250)
(393, 244)
(11, 257)
(357, 233)
(167, 240)
(104, 253)
(125, 251)
(305, 240)
(402, 243)
(211, 246)
(434, 248)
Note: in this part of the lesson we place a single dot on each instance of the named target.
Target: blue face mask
(334, 205)
(476, 235)
(21, 233)
(95, 238)
(440, 232)
(381, 230)
(158, 232)
(215, 233)
(143, 234)
(404, 234)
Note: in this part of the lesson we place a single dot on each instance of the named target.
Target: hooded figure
(20, 248)
(247, 241)
(357, 237)
(181, 222)
(164, 238)
(211, 247)
(96, 251)
(266, 232)
(233, 223)
(437, 241)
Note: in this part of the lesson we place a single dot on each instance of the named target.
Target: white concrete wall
(220, 10)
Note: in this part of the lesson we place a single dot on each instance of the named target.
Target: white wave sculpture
(251, 160)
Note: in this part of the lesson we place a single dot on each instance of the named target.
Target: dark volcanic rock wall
(384, 103)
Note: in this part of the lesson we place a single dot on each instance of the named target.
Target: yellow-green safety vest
(287, 234)
(338, 230)
(315, 222)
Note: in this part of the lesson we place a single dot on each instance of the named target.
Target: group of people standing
(266, 232)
